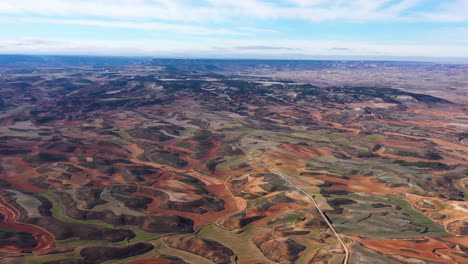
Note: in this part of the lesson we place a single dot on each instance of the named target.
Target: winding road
(285, 178)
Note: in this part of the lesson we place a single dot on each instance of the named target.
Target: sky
(275, 29)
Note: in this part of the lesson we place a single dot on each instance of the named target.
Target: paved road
(285, 178)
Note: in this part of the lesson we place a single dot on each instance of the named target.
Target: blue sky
(293, 29)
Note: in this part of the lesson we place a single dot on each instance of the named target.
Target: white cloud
(207, 47)
(228, 18)
(308, 2)
(29, 43)
(166, 10)
(449, 11)
(258, 30)
(185, 29)
(232, 10)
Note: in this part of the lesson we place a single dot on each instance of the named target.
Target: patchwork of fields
(184, 163)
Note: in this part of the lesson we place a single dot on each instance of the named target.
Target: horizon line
(456, 60)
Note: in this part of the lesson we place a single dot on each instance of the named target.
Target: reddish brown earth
(410, 144)
(152, 261)
(455, 211)
(210, 249)
(9, 214)
(358, 183)
(278, 249)
(204, 123)
(293, 159)
(160, 260)
(18, 173)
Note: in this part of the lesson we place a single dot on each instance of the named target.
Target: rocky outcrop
(210, 249)
(425, 204)
(279, 249)
(459, 227)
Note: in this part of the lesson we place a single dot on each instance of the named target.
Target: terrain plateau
(139, 160)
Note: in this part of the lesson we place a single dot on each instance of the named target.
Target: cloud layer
(230, 28)
(218, 47)
(222, 10)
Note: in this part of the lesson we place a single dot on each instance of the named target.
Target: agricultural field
(199, 161)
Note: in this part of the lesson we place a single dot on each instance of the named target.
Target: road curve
(330, 225)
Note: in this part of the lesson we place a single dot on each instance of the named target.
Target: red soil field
(44, 239)
(18, 173)
(308, 151)
(153, 261)
(293, 158)
(358, 183)
(212, 152)
(462, 240)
